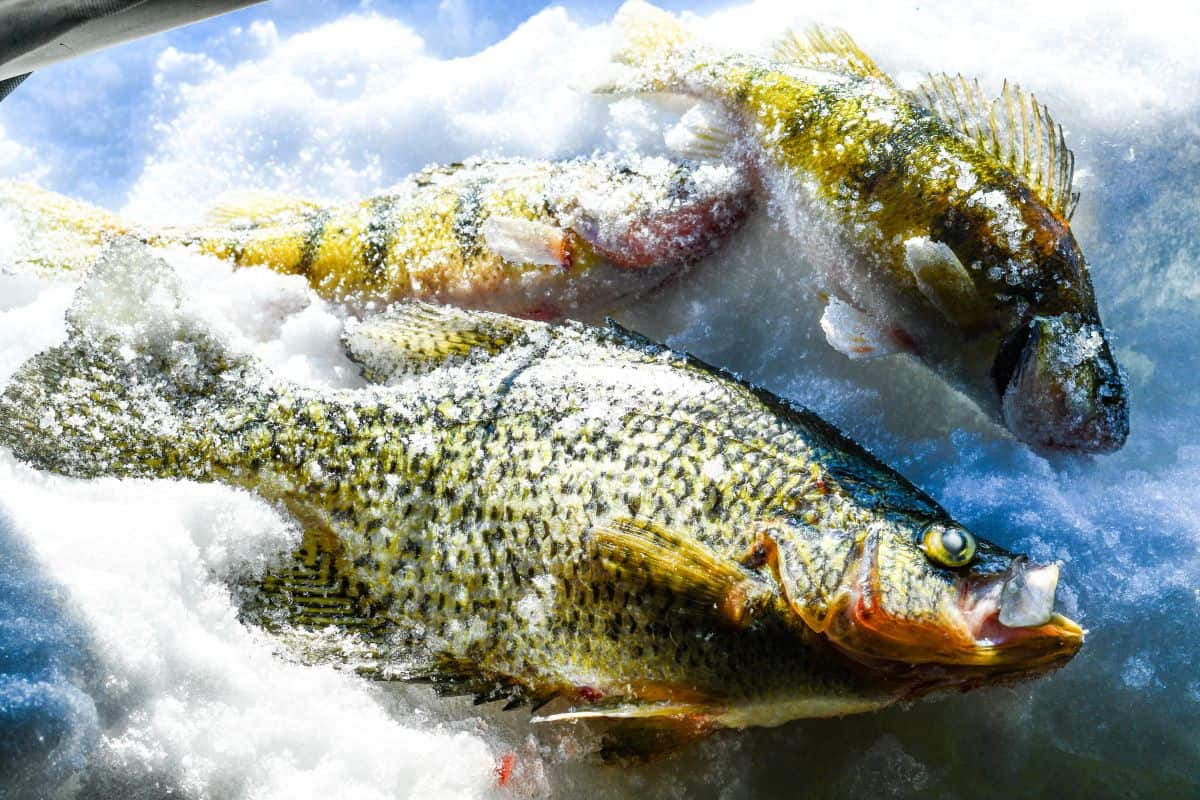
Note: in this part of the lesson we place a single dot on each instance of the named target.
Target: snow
(145, 678)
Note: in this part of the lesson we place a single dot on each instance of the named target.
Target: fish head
(1060, 387)
(929, 601)
(1052, 379)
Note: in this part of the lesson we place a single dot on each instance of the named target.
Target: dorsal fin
(414, 337)
(1014, 127)
(254, 205)
(830, 49)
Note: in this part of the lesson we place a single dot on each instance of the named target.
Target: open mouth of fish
(995, 624)
(1011, 617)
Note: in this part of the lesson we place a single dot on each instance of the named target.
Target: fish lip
(1034, 631)
(1056, 409)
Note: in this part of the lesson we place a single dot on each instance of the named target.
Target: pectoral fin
(943, 280)
(524, 241)
(855, 334)
(643, 551)
(415, 337)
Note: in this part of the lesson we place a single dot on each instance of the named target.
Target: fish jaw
(988, 626)
(1065, 390)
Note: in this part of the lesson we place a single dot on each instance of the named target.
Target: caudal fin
(651, 51)
(49, 234)
(135, 389)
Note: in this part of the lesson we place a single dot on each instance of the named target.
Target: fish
(543, 239)
(559, 515)
(936, 221)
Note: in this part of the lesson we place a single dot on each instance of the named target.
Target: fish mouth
(1060, 387)
(1011, 621)
(995, 626)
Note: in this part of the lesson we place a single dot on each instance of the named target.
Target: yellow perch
(534, 238)
(937, 220)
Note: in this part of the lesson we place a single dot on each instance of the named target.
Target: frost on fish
(540, 239)
(940, 214)
(547, 514)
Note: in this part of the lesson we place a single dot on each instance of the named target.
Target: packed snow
(126, 671)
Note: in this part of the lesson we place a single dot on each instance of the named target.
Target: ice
(126, 586)
(191, 698)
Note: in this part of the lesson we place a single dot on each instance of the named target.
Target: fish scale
(570, 472)
(527, 511)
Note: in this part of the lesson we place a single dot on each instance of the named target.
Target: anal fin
(640, 731)
(311, 591)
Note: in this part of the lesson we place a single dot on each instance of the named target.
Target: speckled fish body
(532, 511)
(936, 220)
(535, 238)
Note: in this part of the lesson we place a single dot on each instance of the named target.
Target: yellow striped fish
(534, 238)
(936, 220)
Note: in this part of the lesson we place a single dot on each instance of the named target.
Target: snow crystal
(198, 705)
(1138, 672)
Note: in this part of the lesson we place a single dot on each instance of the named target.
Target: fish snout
(1063, 389)
(1012, 618)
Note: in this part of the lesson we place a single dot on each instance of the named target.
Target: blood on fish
(504, 769)
(589, 694)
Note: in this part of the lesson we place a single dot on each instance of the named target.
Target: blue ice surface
(47, 722)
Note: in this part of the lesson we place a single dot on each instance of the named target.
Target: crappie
(534, 238)
(539, 512)
(936, 221)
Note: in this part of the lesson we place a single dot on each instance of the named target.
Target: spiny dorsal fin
(414, 337)
(1014, 127)
(649, 552)
(829, 49)
(255, 205)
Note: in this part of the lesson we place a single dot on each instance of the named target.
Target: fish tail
(135, 389)
(653, 43)
(56, 235)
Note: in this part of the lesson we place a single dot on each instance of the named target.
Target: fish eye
(948, 547)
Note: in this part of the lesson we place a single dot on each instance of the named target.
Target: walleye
(529, 511)
(936, 220)
(534, 238)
